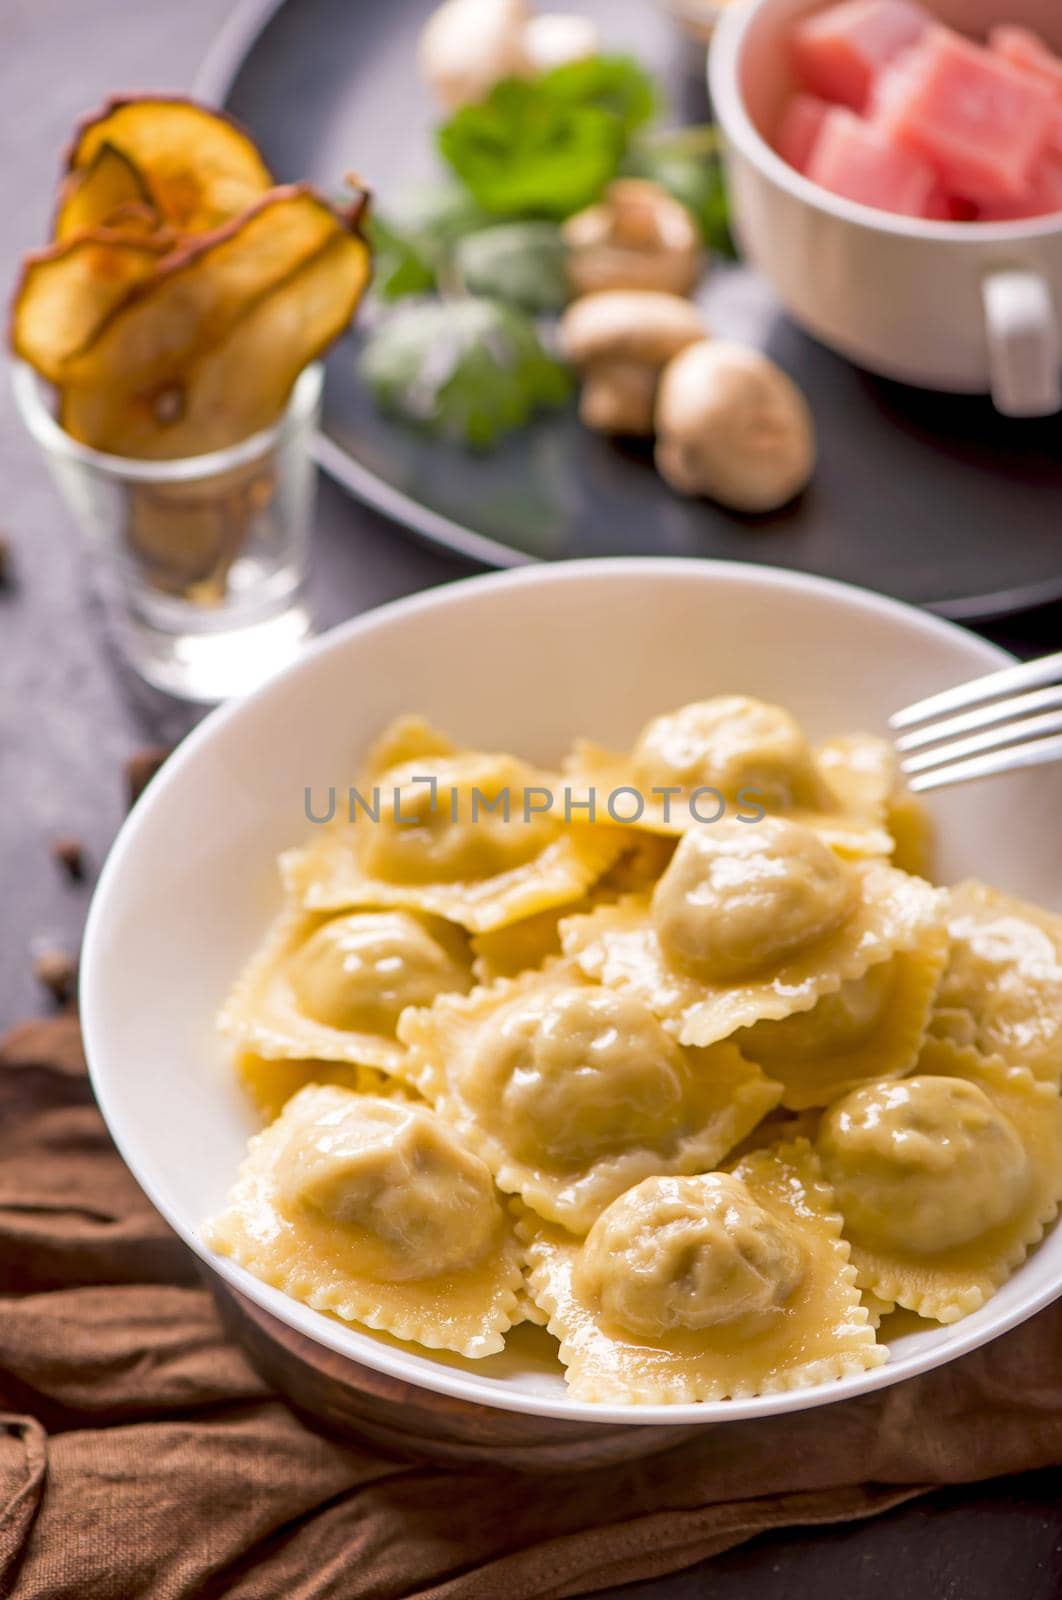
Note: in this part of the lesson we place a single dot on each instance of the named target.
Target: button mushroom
(619, 340)
(554, 38)
(637, 237)
(467, 46)
(733, 426)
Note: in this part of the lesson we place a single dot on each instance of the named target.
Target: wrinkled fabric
(142, 1456)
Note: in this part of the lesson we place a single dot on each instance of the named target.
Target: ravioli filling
(685, 1254)
(569, 1075)
(455, 820)
(738, 897)
(410, 1201)
(359, 972)
(731, 743)
(923, 1165)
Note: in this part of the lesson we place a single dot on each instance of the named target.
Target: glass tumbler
(201, 562)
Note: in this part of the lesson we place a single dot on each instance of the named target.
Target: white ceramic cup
(959, 306)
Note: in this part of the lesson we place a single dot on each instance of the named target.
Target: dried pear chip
(200, 168)
(139, 220)
(223, 391)
(286, 330)
(68, 291)
(103, 194)
(207, 355)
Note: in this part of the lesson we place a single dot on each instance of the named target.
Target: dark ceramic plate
(931, 498)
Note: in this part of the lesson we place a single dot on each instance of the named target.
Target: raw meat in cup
(900, 113)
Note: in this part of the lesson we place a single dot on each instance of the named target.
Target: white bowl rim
(374, 1353)
(724, 59)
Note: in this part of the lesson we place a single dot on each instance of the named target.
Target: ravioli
(644, 859)
(272, 1081)
(470, 836)
(945, 1179)
(723, 1285)
(876, 1308)
(571, 1092)
(864, 771)
(730, 755)
(407, 738)
(870, 1028)
(523, 946)
(1002, 988)
(333, 988)
(375, 1211)
(506, 952)
(861, 769)
(750, 922)
(709, 1097)
(777, 1127)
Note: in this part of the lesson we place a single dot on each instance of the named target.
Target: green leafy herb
(547, 146)
(412, 248)
(686, 163)
(616, 84)
(519, 262)
(522, 154)
(470, 369)
(400, 263)
(440, 213)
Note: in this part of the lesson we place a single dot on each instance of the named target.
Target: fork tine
(1011, 733)
(1035, 754)
(1025, 675)
(982, 716)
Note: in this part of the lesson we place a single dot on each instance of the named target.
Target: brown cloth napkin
(140, 1455)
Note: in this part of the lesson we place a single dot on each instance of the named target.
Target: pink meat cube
(855, 159)
(1044, 195)
(982, 123)
(799, 128)
(944, 207)
(1046, 187)
(839, 52)
(1025, 49)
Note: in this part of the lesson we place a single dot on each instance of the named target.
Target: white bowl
(522, 660)
(957, 306)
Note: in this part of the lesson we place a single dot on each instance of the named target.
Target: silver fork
(998, 723)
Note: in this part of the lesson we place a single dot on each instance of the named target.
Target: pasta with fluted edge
(678, 1053)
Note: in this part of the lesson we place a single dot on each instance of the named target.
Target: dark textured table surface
(70, 717)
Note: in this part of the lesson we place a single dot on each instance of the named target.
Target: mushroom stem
(618, 397)
(619, 339)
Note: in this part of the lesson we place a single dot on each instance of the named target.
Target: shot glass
(201, 562)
